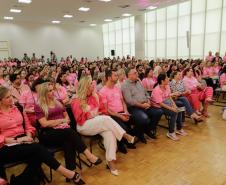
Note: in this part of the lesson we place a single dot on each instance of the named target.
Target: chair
(91, 139)
(13, 164)
(220, 92)
(53, 150)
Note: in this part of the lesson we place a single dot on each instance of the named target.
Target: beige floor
(197, 159)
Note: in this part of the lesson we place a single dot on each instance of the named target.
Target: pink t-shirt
(216, 70)
(223, 79)
(16, 93)
(149, 83)
(2, 81)
(210, 58)
(158, 95)
(112, 97)
(208, 71)
(190, 83)
(60, 93)
(28, 99)
(224, 59)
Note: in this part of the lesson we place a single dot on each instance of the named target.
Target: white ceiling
(44, 11)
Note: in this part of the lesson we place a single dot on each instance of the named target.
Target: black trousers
(33, 154)
(125, 125)
(68, 139)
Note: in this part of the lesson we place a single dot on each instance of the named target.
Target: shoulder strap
(20, 108)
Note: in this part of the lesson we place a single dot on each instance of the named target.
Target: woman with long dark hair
(161, 97)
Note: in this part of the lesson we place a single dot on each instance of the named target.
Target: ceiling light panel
(68, 16)
(151, 7)
(84, 9)
(105, 0)
(126, 15)
(107, 20)
(56, 22)
(8, 18)
(25, 1)
(15, 10)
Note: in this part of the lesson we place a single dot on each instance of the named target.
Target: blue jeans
(175, 120)
(145, 120)
(183, 102)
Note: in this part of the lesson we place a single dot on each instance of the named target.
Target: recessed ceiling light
(126, 15)
(8, 18)
(92, 24)
(25, 1)
(105, 0)
(151, 7)
(84, 9)
(56, 22)
(15, 10)
(107, 20)
(68, 16)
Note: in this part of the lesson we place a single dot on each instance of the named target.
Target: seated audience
(149, 81)
(161, 97)
(86, 108)
(143, 115)
(199, 92)
(55, 128)
(223, 79)
(112, 98)
(177, 87)
(17, 88)
(17, 143)
(28, 99)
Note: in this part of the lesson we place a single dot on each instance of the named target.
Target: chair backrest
(72, 118)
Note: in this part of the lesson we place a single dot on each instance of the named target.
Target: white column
(140, 36)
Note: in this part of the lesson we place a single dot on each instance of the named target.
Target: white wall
(62, 39)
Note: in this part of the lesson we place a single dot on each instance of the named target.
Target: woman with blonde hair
(55, 128)
(17, 143)
(87, 108)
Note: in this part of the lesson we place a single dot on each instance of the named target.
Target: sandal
(77, 179)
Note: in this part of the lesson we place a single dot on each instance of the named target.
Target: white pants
(108, 129)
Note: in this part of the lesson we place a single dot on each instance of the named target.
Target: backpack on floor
(29, 178)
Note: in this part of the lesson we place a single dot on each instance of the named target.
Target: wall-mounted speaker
(112, 52)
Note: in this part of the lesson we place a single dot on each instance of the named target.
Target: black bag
(29, 178)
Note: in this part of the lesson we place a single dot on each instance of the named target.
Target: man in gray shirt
(144, 116)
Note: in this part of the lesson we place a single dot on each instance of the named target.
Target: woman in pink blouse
(55, 127)
(149, 81)
(28, 99)
(224, 58)
(216, 69)
(16, 141)
(199, 92)
(62, 81)
(87, 109)
(2, 81)
(161, 98)
(208, 70)
(223, 78)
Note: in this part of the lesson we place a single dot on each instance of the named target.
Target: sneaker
(181, 132)
(172, 136)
